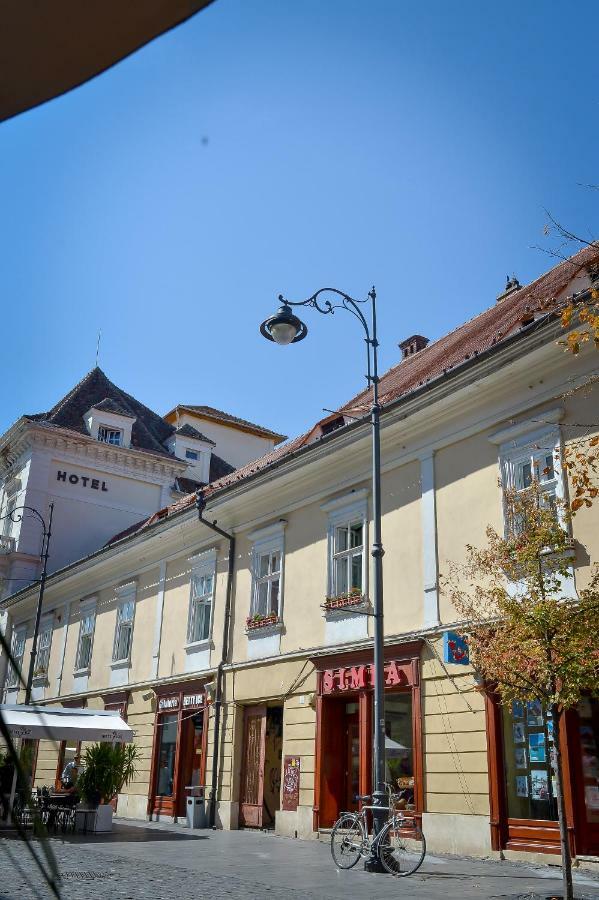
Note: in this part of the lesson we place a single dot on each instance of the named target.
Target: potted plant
(349, 598)
(260, 621)
(107, 768)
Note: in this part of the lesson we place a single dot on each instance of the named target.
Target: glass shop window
(166, 755)
(527, 745)
(399, 765)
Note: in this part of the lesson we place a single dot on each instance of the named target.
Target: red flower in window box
(260, 621)
(350, 598)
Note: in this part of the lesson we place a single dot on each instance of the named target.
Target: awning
(49, 48)
(55, 723)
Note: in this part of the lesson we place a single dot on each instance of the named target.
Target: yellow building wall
(454, 738)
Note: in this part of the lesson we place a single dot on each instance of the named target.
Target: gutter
(200, 504)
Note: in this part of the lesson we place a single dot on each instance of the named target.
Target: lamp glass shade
(283, 332)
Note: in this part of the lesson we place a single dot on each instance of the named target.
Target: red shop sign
(354, 678)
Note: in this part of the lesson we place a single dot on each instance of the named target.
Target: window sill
(41, 680)
(120, 663)
(194, 646)
(82, 671)
(259, 631)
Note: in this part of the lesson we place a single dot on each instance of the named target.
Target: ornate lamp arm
(353, 306)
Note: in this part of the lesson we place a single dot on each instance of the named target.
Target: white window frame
(110, 430)
(267, 541)
(12, 676)
(348, 510)
(203, 565)
(44, 647)
(7, 522)
(193, 455)
(126, 595)
(87, 610)
(529, 448)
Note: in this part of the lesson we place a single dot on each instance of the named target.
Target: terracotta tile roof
(210, 412)
(480, 333)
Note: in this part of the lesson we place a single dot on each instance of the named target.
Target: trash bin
(196, 807)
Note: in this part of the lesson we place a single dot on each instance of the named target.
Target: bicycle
(400, 845)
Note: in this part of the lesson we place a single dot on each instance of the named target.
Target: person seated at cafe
(70, 773)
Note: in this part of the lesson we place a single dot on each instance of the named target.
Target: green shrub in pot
(107, 768)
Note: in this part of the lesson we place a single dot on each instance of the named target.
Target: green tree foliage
(527, 640)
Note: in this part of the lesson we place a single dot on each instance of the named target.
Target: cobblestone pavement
(139, 862)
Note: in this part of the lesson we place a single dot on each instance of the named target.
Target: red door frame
(407, 656)
(529, 835)
(174, 806)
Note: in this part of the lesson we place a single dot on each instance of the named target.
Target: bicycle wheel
(347, 841)
(402, 848)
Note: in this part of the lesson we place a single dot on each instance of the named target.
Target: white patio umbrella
(394, 748)
(57, 723)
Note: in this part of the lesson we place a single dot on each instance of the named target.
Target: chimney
(511, 285)
(412, 345)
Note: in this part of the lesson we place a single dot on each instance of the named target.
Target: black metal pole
(379, 794)
(218, 694)
(285, 316)
(40, 600)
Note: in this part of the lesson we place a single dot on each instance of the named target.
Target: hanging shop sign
(192, 700)
(455, 649)
(355, 678)
(291, 783)
(166, 704)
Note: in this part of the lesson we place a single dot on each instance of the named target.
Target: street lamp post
(16, 515)
(286, 328)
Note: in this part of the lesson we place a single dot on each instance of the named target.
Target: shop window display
(166, 755)
(527, 746)
(398, 746)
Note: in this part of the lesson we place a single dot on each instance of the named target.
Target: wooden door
(251, 803)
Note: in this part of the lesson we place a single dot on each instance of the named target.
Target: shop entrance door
(352, 758)
(192, 749)
(251, 800)
(585, 725)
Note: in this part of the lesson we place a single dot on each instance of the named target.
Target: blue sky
(271, 146)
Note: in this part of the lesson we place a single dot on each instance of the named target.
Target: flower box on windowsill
(345, 602)
(257, 622)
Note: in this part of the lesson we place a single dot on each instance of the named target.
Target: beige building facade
(276, 643)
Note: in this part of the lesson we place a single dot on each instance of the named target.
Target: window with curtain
(200, 606)
(44, 646)
(17, 649)
(86, 638)
(123, 633)
(348, 557)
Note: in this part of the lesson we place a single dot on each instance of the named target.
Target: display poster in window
(520, 758)
(291, 783)
(535, 714)
(539, 784)
(536, 747)
(521, 786)
(519, 736)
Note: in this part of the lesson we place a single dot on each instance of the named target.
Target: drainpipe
(218, 694)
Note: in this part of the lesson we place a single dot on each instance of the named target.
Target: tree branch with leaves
(527, 638)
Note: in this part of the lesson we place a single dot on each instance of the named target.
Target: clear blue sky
(273, 146)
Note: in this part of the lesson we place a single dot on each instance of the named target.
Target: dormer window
(192, 454)
(110, 423)
(110, 435)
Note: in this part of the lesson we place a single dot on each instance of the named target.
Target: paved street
(138, 862)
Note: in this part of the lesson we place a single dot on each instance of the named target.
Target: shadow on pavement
(120, 834)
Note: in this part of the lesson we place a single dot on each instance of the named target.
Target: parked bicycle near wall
(400, 845)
